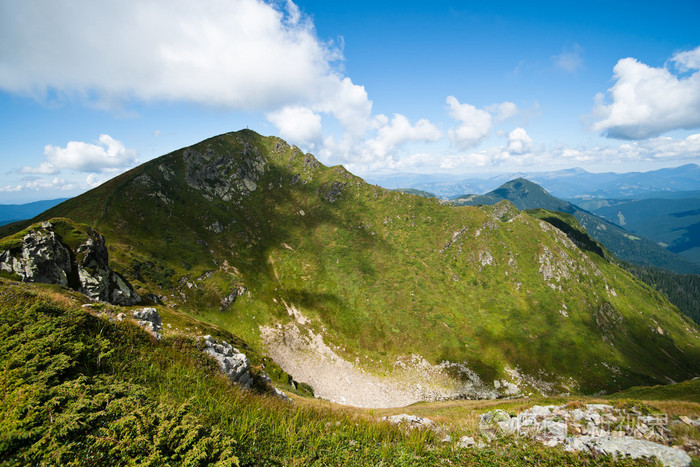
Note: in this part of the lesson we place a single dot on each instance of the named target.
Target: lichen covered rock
(79, 261)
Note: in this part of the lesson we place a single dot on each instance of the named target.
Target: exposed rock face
(149, 319)
(45, 258)
(597, 428)
(41, 258)
(225, 177)
(228, 300)
(232, 363)
(331, 191)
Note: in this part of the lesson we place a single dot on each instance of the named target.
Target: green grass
(683, 391)
(384, 274)
(78, 389)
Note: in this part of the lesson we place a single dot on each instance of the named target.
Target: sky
(90, 89)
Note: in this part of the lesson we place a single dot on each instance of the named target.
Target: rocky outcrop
(43, 256)
(331, 191)
(149, 319)
(232, 363)
(236, 366)
(97, 280)
(224, 176)
(410, 421)
(229, 299)
(596, 428)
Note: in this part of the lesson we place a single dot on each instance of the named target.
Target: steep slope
(673, 222)
(626, 246)
(310, 262)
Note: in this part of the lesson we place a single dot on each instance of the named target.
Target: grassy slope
(373, 270)
(626, 246)
(80, 389)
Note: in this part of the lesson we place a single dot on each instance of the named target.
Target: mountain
(525, 194)
(17, 212)
(674, 223)
(371, 295)
(569, 183)
(413, 191)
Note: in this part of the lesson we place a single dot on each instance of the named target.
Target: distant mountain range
(569, 183)
(525, 194)
(673, 223)
(16, 212)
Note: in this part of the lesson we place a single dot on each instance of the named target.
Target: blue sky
(90, 89)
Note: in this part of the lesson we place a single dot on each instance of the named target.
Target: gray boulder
(412, 421)
(232, 363)
(631, 447)
(43, 257)
(149, 319)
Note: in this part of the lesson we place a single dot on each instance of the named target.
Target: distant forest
(683, 290)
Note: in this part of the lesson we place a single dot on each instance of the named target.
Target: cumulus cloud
(503, 111)
(40, 184)
(399, 131)
(235, 54)
(297, 124)
(648, 101)
(570, 60)
(688, 60)
(519, 142)
(474, 126)
(519, 153)
(109, 155)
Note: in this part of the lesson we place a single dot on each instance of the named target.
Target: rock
(216, 227)
(494, 416)
(588, 430)
(331, 191)
(149, 319)
(232, 363)
(224, 176)
(686, 420)
(466, 442)
(228, 300)
(412, 421)
(638, 449)
(43, 257)
(555, 429)
(281, 395)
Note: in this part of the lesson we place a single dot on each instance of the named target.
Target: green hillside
(378, 274)
(622, 243)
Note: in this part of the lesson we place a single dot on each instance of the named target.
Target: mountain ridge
(529, 195)
(504, 300)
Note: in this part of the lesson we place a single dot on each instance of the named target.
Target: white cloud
(519, 153)
(474, 126)
(40, 184)
(646, 101)
(399, 131)
(503, 111)
(110, 155)
(519, 142)
(236, 54)
(688, 60)
(297, 124)
(570, 61)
